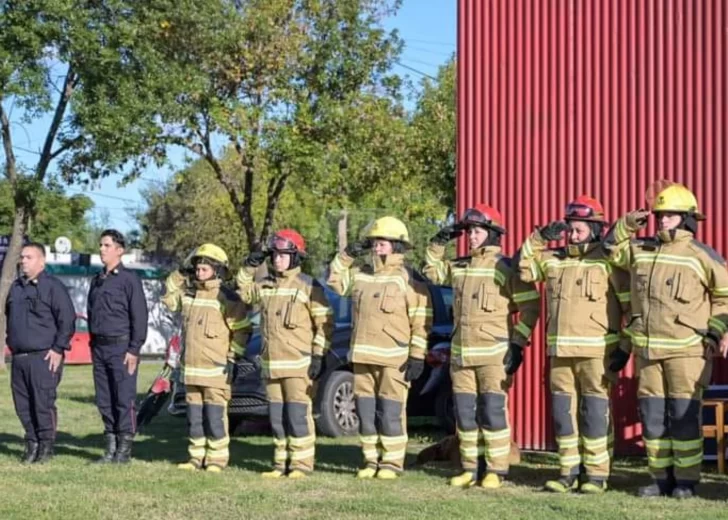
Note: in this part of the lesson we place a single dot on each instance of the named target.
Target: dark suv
(334, 405)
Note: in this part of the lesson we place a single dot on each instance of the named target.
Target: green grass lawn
(151, 487)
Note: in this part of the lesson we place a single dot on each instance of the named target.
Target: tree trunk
(9, 271)
(343, 224)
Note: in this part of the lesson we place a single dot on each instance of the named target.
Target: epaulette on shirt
(712, 253)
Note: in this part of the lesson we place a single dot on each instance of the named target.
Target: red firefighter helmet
(585, 208)
(483, 215)
(287, 241)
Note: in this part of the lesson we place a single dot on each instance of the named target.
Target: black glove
(513, 358)
(412, 368)
(356, 249)
(231, 369)
(553, 230)
(255, 258)
(445, 235)
(618, 359)
(316, 367)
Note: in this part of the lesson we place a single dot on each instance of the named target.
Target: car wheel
(338, 416)
(445, 409)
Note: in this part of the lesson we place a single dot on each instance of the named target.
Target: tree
(54, 214)
(434, 121)
(94, 70)
(280, 86)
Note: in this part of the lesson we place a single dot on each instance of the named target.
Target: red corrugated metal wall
(562, 97)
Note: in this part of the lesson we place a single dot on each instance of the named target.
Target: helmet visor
(474, 217)
(580, 211)
(281, 244)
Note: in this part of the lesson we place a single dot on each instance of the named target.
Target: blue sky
(428, 28)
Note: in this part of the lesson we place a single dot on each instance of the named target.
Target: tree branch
(73, 142)
(275, 189)
(47, 155)
(10, 164)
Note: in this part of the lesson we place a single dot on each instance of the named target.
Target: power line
(95, 194)
(430, 42)
(426, 63)
(427, 51)
(412, 69)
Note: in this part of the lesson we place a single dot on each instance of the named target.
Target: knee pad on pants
(297, 419)
(275, 413)
(390, 417)
(594, 416)
(653, 416)
(685, 419)
(366, 408)
(195, 425)
(215, 414)
(561, 411)
(492, 411)
(465, 409)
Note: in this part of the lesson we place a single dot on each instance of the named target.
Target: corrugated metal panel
(562, 97)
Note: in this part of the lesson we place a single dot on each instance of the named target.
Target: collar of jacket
(207, 285)
(575, 250)
(676, 235)
(35, 281)
(389, 262)
(288, 273)
(481, 252)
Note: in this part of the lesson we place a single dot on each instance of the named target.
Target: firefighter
(487, 347)
(216, 329)
(296, 326)
(586, 300)
(117, 322)
(391, 319)
(40, 326)
(679, 293)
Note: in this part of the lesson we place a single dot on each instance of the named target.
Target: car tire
(337, 412)
(445, 409)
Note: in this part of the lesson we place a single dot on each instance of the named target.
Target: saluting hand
(54, 360)
(131, 361)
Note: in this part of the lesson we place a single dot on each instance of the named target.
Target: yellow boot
(387, 474)
(276, 473)
(190, 465)
(297, 473)
(366, 473)
(464, 480)
(213, 468)
(491, 481)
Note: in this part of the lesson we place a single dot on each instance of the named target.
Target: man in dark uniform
(40, 323)
(117, 317)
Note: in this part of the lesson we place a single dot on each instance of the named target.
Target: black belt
(98, 339)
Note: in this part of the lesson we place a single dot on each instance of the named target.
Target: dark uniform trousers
(115, 387)
(34, 393)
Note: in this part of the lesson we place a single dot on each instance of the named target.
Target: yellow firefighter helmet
(389, 228)
(213, 252)
(678, 199)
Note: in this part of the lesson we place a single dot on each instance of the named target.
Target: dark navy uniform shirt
(117, 308)
(40, 315)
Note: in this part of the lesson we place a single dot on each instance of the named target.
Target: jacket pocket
(690, 322)
(488, 297)
(294, 314)
(687, 287)
(596, 285)
(398, 336)
(212, 327)
(553, 286)
(601, 320)
(390, 299)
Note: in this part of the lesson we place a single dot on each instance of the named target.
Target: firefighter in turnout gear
(487, 346)
(679, 289)
(391, 320)
(587, 301)
(216, 329)
(296, 327)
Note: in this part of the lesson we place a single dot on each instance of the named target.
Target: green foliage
(55, 214)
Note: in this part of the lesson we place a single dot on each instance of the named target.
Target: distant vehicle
(334, 404)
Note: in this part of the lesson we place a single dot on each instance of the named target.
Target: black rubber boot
(45, 452)
(123, 450)
(30, 453)
(684, 489)
(110, 452)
